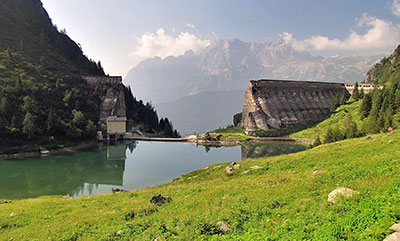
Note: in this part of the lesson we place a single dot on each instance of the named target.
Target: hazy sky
(120, 33)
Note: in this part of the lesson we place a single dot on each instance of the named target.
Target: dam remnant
(277, 103)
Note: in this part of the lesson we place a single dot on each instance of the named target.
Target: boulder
(318, 173)
(341, 191)
(223, 227)
(229, 169)
(159, 199)
(393, 237)
(395, 227)
(115, 189)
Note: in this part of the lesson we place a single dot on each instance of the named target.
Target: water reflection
(258, 150)
(127, 165)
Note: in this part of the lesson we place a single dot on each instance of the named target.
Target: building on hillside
(116, 127)
(366, 88)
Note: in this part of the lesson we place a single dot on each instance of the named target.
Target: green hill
(285, 199)
(43, 99)
(387, 71)
(42, 94)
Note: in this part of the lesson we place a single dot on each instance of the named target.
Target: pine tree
(329, 135)
(388, 119)
(334, 104)
(350, 127)
(356, 93)
(29, 125)
(366, 106)
(342, 99)
(373, 126)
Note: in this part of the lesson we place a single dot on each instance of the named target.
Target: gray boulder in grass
(340, 191)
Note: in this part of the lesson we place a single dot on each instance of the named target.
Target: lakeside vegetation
(282, 199)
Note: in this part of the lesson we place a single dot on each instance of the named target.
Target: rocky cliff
(111, 93)
(276, 103)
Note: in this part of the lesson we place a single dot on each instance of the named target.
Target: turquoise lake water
(127, 165)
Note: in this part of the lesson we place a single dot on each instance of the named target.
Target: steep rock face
(275, 103)
(112, 95)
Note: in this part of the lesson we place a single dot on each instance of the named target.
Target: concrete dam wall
(276, 103)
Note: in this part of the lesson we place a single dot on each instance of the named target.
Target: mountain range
(228, 65)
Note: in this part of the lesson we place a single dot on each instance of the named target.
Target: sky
(121, 33)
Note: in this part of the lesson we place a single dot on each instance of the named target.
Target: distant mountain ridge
(230, 64)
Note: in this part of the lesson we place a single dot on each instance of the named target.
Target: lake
(127, 165)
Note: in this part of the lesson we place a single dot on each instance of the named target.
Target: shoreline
(193, 139)
(79, 146)
(189, 139)
(254, 140)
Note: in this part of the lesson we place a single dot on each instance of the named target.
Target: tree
(334, 104)
(90, 129)
(51, 121)
(373, 126)
(29, 125)
(356, 93)
(388, 118)
(343, 98)
(329, 135)
(366, 106)
(350, 127)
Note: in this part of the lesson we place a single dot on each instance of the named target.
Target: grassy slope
(232, 134)
(336, 118)
(282, 200)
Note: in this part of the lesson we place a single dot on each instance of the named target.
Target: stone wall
(276, 103)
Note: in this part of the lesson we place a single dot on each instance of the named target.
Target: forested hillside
(387, 71)
(43, 98)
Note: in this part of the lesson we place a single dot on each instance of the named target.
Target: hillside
(285, 199)
(386, 71)
(43, 99)
(42, 94)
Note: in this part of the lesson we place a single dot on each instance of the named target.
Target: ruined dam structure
(112, 95)
(272, 104)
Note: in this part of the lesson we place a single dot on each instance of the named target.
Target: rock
(395, 227)
(13, 215)
(192, 177)
(247, 171)
(159, 199)
(391, 141)
(229, 169)
(223, 227)
(119, 232)
(393, 237)
(255, 167)
(216, 167)
(115, 189)
(318, 173)
(4, 202)
(341, 191)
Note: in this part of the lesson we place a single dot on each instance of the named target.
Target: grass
(335, 119)
(233, 134)
(282, 200)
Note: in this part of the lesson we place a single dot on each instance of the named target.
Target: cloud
(190, 25)
(162, 45)
(395, 8)
(380, 35)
